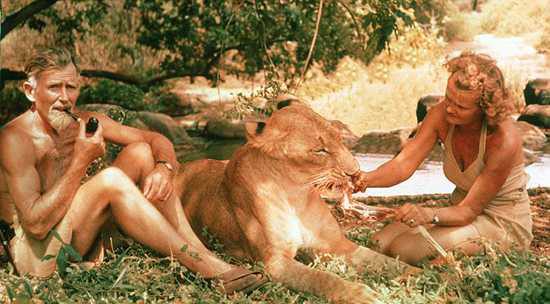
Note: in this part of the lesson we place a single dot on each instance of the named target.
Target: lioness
(264, 204)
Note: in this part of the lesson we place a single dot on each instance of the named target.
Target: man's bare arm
(38, 212)
(115, 132)
(157, 186)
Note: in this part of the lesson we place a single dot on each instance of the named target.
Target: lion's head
(307, 146)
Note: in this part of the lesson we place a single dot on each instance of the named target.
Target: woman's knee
(410, 250)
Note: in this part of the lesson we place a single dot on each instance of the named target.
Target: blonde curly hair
(478, 74)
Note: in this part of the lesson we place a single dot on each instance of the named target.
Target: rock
(537, 91)
(533, 138)
(383, 142)
(349, 138)
(424, 104)
(158, 122)
(538, 115)
(225, 128)
(164, 125)
(194, 122)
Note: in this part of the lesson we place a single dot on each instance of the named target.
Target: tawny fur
(264, 204)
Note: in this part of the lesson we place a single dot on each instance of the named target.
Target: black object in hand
(91, 125)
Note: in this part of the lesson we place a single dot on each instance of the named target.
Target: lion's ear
(254, 128)
(286, 100)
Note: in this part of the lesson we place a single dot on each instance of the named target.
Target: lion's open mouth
(332, 184)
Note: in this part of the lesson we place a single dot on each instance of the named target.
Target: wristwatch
(166, 164)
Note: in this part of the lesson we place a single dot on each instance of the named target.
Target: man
(44, 154)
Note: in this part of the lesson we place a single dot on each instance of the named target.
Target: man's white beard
(59, 120)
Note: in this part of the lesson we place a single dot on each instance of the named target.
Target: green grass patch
(136, 274)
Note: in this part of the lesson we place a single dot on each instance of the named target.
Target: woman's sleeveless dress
(507, 218)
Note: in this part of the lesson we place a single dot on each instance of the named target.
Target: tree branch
(7, 74)
(313, 41)
(19, 17)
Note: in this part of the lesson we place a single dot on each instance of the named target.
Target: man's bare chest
(53, 158)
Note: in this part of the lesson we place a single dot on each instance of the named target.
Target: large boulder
(537, 91)
(538, 115)
(151, 121)
(349, 138)
(218, 127)
(424, 104)
(162, 124)
(383, 142)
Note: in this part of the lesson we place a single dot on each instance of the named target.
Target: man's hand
(157, 186)
(88, 148)
(359, 181)
(413, 215)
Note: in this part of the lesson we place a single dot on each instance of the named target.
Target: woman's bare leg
(412, 247)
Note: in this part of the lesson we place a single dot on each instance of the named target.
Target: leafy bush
(12, 103)
(112, 92)
(130, 97)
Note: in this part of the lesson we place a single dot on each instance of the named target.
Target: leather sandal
(240, 280)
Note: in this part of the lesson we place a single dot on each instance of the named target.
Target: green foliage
(112, 92)
(65, 255)
(71, 24)
(264, 33)
(130, 97)
(134, 273)
(12, 103)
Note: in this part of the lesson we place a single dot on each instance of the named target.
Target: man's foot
(241, 280)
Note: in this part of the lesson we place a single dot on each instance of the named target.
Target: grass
(136, 274)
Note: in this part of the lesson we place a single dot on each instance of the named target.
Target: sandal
(240, 280)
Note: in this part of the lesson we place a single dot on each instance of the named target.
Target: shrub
(112, 92)
(12, 103)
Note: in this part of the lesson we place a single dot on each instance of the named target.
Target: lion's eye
(321, 151)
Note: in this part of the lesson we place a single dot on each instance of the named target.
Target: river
(430, 178)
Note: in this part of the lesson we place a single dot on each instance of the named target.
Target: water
(427, 180)
(430, 178)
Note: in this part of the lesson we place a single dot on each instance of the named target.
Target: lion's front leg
(303, 278)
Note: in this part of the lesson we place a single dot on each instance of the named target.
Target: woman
(483, 158)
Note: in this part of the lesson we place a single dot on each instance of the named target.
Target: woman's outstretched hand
(359, 182)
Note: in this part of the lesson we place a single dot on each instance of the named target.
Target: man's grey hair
(47, 59)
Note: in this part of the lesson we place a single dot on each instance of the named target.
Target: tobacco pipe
(91, 125)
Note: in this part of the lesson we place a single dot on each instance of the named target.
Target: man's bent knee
(139, 151)
(113, 178)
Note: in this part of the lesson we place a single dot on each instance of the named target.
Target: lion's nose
(355, 173)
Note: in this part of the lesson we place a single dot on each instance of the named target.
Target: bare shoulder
(16, 145)
(436, 120)
(504, 143)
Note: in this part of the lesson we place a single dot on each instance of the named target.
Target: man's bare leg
(136, 160)
(112, 193)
